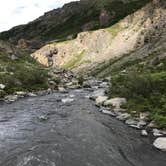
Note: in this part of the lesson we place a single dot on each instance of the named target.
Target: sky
(16, 12)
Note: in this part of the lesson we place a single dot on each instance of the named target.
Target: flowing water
(43, 131)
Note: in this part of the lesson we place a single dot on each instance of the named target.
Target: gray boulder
(123, 116)
(160, 143)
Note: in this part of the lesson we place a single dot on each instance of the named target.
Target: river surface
(70, 134)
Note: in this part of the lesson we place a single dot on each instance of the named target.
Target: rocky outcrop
(139, 30)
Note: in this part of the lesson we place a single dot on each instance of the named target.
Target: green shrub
(145, 92)
(23, 74)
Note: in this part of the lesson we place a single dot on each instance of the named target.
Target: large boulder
(101, 99)
(115, 102)
(160, 143)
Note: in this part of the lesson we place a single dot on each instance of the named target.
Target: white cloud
(16, 12)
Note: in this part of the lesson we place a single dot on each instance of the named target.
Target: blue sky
(16, 12)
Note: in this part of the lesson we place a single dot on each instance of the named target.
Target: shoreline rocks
(112, 107)
(101, 99)
(160, 143)
(115, 102)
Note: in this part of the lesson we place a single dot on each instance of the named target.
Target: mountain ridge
(71, 19)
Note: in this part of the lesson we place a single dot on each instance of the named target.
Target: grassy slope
(22, 74)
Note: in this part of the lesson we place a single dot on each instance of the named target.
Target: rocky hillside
(66, 22)
(138, 35)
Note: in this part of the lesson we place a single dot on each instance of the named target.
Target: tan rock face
(144, 27)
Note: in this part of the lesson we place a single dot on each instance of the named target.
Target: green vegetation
(145, 92)
(74, 61)
(21, 74)
(115, 29)
(141, 80)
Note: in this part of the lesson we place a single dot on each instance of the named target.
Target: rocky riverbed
(62, 129)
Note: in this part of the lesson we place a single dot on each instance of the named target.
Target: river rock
(62, 90)
(157, 132)
(103, 85)
(160, 143)
(123, 116)
(67, 100)
(2, 86)
(144, 133)
(11, 98)
(71, 95)
(101, 99)
(152, 124)
(43, 117)
(135, 126)
(113, 114)
(99, 92)
(21, 93)
(31, 94)
(115, 102)
(144, 115)
(142, 123)
(131, 122)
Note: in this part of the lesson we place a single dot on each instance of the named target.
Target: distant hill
(71, 19)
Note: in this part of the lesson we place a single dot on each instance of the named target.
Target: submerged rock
(43, 117)
(67, 100)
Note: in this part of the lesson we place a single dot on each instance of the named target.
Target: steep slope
(74, 17)
(142, 33)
